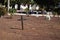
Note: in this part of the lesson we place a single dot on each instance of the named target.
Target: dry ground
(35, 28)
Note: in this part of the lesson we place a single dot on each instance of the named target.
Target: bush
(54, 13)
(57, 10)
(26, 9)
(3, 11)
(12, 11)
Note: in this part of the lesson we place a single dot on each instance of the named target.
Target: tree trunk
(18, 6)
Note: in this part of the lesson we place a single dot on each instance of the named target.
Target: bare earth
(35, 28)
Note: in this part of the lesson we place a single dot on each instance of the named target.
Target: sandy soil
(35, 28)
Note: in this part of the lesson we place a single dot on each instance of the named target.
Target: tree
(22, 1)
(49, 4)
(45, 2)
(1, 1)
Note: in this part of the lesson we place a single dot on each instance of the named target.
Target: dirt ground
(35, 28)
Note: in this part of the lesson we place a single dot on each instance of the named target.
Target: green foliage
(54, 13)
(12, 11)
(26, 9)
(24, 1)
(3, 11)
(57, 11)
(19, 1)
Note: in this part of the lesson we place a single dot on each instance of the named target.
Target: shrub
(12, 11)
(57, 10)
(3, 11)
(26, 9)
